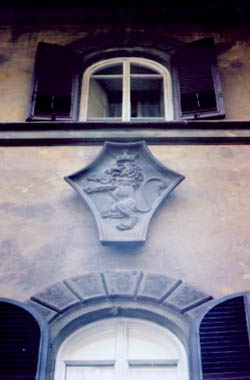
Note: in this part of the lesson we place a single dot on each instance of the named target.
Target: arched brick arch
(166, 292)
(102, 46)
(126, 39)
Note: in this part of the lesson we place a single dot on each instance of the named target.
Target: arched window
(126, 89)
(186, 85)
(122, 348)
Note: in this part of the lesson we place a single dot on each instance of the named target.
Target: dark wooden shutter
(196, 82)
(56, 84)
(19, 343)
(224, 342)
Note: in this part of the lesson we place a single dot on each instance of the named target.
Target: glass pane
(90, 373)
(110, 70)
(138, 69)
(153, 373)
(96, 346)
(143, 345)
(105, 98)
(146, 97)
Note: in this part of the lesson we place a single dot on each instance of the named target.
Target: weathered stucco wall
(18, 45)
(200, 234)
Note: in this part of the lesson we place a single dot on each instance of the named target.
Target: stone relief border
(134, 285)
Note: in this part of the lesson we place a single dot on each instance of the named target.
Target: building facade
(71, 79)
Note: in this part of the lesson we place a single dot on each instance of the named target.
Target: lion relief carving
(121, 182)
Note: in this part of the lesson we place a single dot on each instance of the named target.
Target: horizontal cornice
(95, 133)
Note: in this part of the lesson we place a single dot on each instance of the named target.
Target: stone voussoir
(122, 283)
(58, 297)
(156, 287)
(88, 287)
(46, 312)
(96, 286)
(185, 298)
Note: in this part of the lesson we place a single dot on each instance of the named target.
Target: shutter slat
(55, 88)
(224, 342)
(196, 81)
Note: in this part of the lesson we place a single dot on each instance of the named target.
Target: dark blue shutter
(197, 88)
(56, 84)
(224, 342)
(23, 351)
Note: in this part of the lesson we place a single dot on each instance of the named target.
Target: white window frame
(121, 361)
(167, 89)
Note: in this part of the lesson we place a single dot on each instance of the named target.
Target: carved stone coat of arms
(123, 187)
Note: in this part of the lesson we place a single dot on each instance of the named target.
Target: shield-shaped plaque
(123, 187)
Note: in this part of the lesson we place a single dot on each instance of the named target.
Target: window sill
(95, 133)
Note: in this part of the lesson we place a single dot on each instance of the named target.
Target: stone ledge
(207, 132)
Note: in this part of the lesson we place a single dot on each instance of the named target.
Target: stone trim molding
(134, 285)
(203, 132)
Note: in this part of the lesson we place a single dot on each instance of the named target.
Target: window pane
(100, 345)
(110, 70)
(143, 345)
(153, 373)
(105, 98)
(146, 97)
(138, 69)
(90, 373)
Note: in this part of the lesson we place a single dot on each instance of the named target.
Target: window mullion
(166, 103)
(126, 91)
(121, 367)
